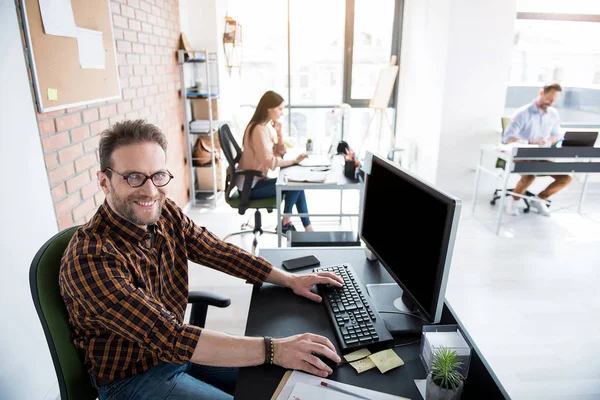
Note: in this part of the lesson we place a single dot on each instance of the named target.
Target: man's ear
(103, 182)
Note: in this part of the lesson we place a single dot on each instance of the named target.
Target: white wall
(203, 22)
(422, 76)
(27, 220)
(479, 49)
(453, 74)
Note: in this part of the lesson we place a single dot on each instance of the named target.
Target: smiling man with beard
(124, 281)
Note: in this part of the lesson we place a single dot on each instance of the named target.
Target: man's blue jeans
(174, 382)
(266, 188)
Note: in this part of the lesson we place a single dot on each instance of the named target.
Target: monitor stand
(387, 299)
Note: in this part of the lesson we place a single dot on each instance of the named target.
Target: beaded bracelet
(269, 351)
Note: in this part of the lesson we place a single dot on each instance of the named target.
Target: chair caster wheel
(526, 210)
(493, 202)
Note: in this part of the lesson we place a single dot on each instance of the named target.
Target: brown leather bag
(203, 153)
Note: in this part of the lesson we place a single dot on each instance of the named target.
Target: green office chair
(73, 378)
(241, 200)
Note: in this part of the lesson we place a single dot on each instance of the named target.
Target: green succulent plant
(445, 367)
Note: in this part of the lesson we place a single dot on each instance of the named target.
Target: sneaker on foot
(541, 207)
(512, 206)
(287, 227)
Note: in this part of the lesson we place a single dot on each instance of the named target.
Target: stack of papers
(306, 176)
(453, 341)
(200, 126)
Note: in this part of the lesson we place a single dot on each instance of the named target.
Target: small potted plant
(444, 381)
(309, 144)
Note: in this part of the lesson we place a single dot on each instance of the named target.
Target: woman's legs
(266, 188)
(263, 189)
(297, 198)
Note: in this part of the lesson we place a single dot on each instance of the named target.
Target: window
(557, 41)
(318, 54)
(372, 47)
(316, 50)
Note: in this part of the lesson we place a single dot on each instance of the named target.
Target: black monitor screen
(409, 225)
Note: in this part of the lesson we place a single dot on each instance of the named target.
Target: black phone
(300, 262)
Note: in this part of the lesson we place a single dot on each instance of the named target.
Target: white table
(566, 160)
(335, 180)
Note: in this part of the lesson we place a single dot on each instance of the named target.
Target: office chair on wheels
(73, 378)
(500, 163)
(241, 200)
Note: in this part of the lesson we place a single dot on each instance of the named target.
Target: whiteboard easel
(380, 101)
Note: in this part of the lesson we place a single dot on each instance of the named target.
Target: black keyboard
(355, 321)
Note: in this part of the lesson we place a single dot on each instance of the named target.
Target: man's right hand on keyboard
(295, 352)
(302, 284)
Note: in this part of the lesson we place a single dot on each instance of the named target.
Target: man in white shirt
(537, 123)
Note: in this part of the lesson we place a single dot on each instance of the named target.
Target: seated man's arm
(513, 130)
(101, 288)
(556, 133)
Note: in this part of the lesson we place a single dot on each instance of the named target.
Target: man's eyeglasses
(137, 179)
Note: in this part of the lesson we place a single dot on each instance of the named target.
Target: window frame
(348, 59)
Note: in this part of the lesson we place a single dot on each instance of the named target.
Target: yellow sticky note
(386, 360)
(362, 365)
(355, 355)
(52, 94)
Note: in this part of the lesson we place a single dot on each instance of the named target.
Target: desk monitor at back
(580, 139)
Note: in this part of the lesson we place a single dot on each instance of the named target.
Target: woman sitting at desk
(262, 153)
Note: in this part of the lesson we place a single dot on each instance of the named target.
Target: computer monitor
(410, 226)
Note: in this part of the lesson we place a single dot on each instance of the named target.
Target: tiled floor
(528, 296)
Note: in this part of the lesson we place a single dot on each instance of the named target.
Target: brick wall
(147, 37)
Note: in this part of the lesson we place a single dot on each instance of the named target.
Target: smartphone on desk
(300, 262)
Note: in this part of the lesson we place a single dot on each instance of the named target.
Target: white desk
(566, 160)
(335, 180)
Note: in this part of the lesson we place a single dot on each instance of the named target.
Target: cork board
(55, 61)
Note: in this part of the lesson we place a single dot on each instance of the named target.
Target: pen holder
(351, 169)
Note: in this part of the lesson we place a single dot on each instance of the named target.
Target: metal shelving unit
(202, 66)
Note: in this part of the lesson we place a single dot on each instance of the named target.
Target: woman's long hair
(268, 100)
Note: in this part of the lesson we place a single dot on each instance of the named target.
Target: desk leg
(502, 200)
(477, 177)
(581, 196)
(278, 202)
(360, 208)
(341, 204)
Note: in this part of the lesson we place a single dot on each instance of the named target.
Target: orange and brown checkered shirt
(126, 295)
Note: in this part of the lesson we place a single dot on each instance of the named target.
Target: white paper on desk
(304, 391)
(510, 146)
(304, 175)
(91, 49)
(57, 18)
(312, 380)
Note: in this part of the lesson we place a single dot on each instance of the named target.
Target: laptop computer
(579, 139)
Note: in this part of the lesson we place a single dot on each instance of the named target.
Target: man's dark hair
(552, 86)
(125, 133)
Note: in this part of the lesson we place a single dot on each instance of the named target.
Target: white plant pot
(434, 392)
(309, 147)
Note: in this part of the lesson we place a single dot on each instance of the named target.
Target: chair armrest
(208, 298)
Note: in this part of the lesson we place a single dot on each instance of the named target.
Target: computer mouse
(328, 361)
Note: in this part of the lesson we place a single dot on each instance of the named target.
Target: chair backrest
(231, 149)
(504, 121)
(73, 378)
(233, 153)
